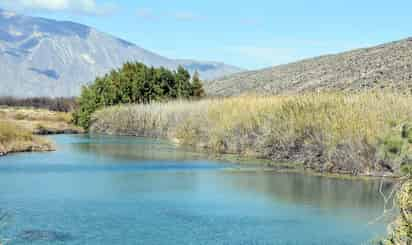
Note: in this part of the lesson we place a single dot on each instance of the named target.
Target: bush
(135, 83)
(393, 144)
(407, 132)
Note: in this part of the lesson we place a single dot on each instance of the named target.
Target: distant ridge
(387, 66)
(44, 57)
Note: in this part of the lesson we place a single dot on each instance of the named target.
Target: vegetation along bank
(20, 128)
(16, 139)
(400, 231)
(359, 134)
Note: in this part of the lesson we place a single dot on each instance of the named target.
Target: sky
(249, 34)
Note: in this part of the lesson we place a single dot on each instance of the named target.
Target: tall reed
(326, 131)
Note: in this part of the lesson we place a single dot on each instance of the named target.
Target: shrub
(20, 116)
(138, 84)
(393, 144)
(407, 132)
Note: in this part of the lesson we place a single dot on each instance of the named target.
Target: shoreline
(365, 134)
(261, 164)
(258, 164)
(246, 164)
(22, 129)
(36, 144)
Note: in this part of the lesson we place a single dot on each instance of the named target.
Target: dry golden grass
(39, 120)
(16, 139)
(20, 113)
(9, 132)
(18, 127)
(332, 128)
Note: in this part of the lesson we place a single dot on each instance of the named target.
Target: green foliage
(197, 87)
(88, 103)
(138, 84)
(183, 86)
(406, 168)
(397, 147)
(407, 132)
(393, 145)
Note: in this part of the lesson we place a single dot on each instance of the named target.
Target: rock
(45, 235)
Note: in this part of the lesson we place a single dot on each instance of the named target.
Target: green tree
(133, 83)
(197, 86)
(183, 85)
(87, 104)
(167, 82)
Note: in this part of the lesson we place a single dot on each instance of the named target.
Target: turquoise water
(123, 190)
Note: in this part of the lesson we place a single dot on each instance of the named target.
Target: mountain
(387, 66)
(43, 57)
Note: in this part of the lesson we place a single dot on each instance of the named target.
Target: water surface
(123, 190)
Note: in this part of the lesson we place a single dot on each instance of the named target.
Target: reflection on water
(132, 148)
(123, 190)
(316, 191)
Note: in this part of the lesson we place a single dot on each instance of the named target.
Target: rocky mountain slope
(43, 57)
(387, 66)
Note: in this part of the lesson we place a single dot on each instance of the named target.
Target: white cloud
(77, 6)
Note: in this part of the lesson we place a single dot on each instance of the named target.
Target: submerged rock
(45, 235)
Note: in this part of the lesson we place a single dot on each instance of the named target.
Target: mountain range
(384, 67)
(45, 57)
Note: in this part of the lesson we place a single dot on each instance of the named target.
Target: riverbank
(17, 139)
(20, 129)
(401, 229)
(355, 134)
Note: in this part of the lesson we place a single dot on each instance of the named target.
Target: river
(101, 190)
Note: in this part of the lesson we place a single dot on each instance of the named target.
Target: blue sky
(249, 34)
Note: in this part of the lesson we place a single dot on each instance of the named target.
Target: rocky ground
(384, 67)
